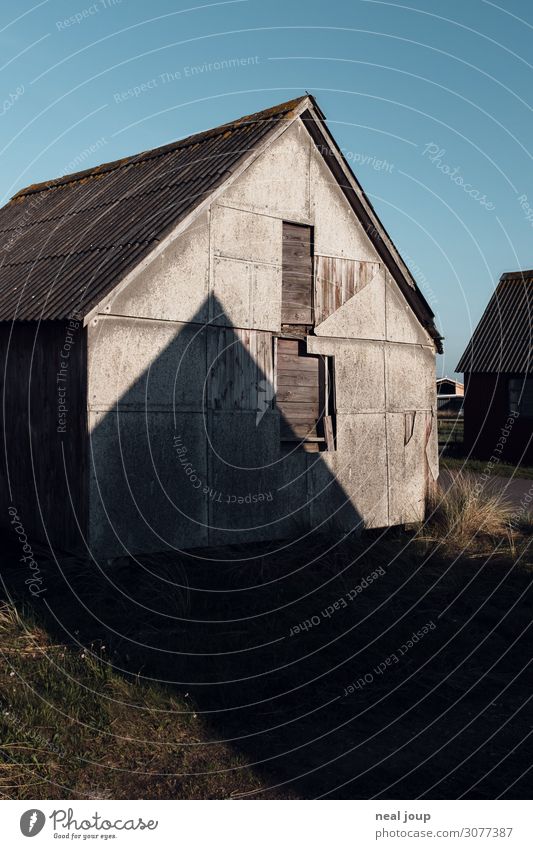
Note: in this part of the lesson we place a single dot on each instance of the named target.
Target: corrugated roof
(503, 339)
(66, 243)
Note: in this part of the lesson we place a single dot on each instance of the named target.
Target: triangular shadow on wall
(189, 455)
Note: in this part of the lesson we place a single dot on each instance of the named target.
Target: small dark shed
(498, 370)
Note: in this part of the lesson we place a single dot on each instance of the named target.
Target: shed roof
(447, 379)
(66, 243)
(503, 339)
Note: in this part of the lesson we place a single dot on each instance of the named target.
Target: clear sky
(430, 100)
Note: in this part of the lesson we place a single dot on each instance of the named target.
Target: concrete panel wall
(173, 286)
(352, 481)
(362, 316)
(411, 429)
(338, 232)
(402, 325)
(141, 496)
(154, 377)
(382, 463)
(256, 496)
(232, 303)
(278, 183)
(359, 372)
(410, 373)
(406, 443)
(241, 234)
(146, 364)
(267, 298)
(245, 294)
(146, 385)
(260, 493)
(227, 477)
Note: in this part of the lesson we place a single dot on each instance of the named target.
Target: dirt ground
(380, 667)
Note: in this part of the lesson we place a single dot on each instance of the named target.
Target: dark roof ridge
(501, 340)
(526, 274)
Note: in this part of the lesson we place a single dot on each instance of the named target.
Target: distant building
(447, 387)
(498, 369)
(449, 397)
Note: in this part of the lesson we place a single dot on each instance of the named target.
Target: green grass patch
(504, 470)
(71, 727)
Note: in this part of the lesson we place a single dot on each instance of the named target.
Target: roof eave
(375, 230)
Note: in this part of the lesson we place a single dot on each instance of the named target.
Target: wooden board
(338, 280)
(239, 369)
(297, 275)
(300, 393)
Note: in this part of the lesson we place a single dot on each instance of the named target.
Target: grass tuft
(466, 512)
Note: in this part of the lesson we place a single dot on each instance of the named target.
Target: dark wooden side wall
(46, 469)
(486, 413)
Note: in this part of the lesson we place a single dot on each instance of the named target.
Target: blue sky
(431, 102)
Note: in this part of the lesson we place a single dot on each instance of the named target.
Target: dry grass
(82, 717)
(467, 513)
(71, 727)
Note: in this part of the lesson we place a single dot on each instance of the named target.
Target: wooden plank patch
(297, 274)
(337, 280)
(301, 395)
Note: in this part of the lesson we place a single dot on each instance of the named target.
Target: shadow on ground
(377, 666)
